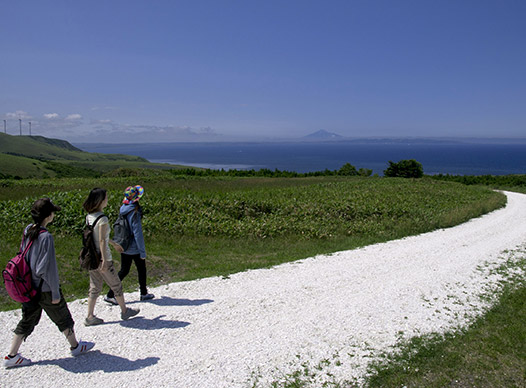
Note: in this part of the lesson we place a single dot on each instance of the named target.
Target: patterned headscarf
(132, 194)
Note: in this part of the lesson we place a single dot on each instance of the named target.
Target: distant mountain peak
(322, 134)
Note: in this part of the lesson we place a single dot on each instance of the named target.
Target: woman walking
(95, 203)
(44, 273)
(136, 251)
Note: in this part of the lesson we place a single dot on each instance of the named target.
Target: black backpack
(89, 257)
(122, 233)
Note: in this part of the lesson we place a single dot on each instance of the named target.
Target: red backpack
(17, 276)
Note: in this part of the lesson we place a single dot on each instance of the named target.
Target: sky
(221, 70)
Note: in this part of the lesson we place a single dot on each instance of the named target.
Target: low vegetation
(346, 170)
(515, 183)
(197, 227)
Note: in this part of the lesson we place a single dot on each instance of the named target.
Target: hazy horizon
(380, 139)
(306, 139)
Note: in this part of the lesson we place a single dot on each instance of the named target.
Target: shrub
(404, 169)
(348, 170)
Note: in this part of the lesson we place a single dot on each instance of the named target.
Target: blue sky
(136, 71)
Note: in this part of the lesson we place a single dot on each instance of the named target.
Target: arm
(46, 267)
(116, 246)
(103, 244)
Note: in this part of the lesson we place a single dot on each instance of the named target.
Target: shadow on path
(142, 323)
(96, 360)
(167, 301)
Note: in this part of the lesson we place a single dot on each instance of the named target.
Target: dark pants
(32, 311)
(126, 261)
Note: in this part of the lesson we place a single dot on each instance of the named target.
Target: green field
(198, 227)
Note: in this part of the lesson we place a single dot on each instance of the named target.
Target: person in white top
(95, 203)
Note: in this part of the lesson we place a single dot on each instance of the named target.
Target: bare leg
(122, 303)
(91, 306)
(70, 336)
(15, 344)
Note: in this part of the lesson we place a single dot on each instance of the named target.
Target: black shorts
(32, 311)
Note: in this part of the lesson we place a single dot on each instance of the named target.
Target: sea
(436, 157)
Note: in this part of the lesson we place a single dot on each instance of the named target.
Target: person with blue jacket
(136, 251)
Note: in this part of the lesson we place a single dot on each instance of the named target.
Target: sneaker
(16, 361)
(93, 321)
(147, 296)
(129, 313)
(112, 301)
(82, 348)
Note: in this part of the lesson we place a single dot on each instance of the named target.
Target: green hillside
(41, 157)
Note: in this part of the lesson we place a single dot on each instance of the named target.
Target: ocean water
(436, 157)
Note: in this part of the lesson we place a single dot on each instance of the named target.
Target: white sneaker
(16, 361)
(82, 348)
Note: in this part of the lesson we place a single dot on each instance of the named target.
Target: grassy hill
(41, 157)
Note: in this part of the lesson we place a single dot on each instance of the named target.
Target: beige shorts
(108, 275)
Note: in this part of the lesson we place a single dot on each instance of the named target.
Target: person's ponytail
(33, 231)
